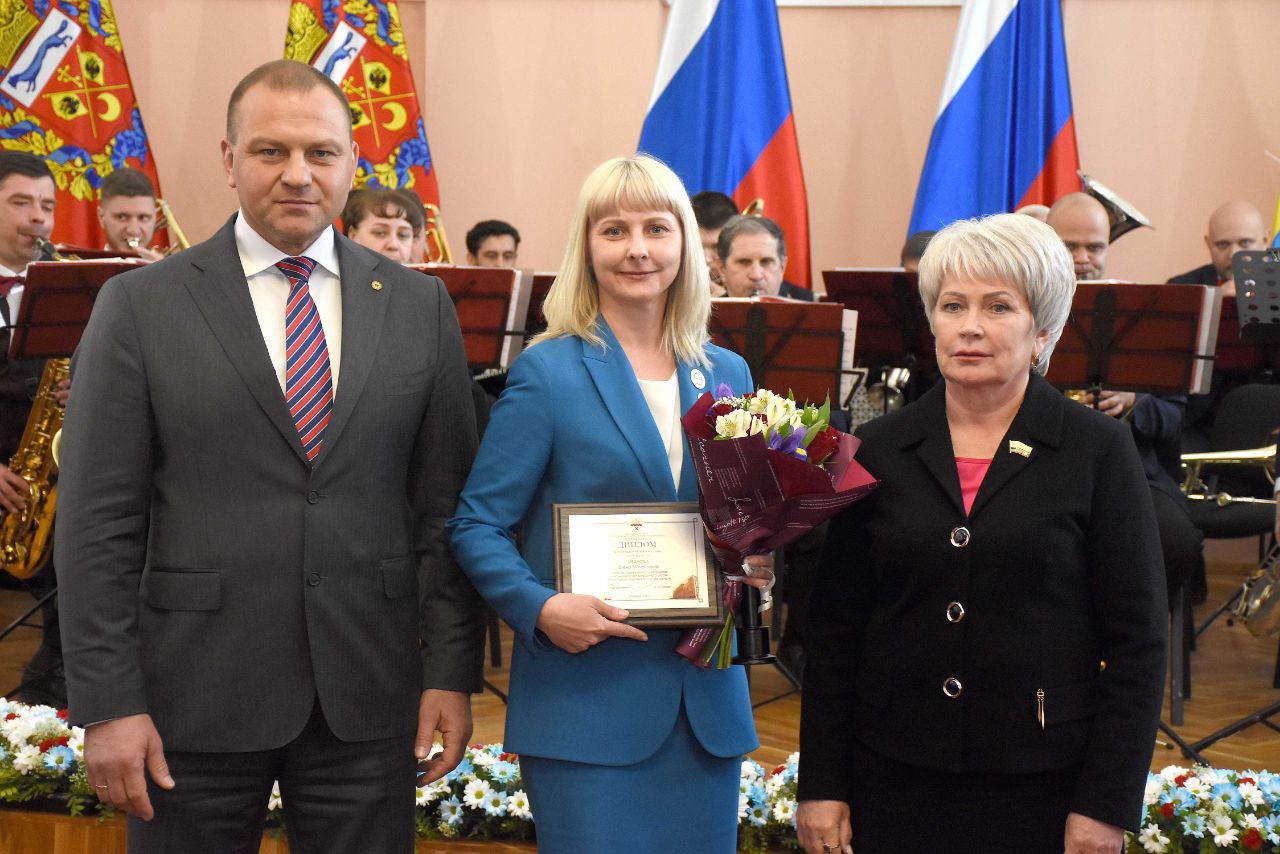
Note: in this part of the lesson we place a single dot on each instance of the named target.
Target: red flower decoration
(12, 716)
(720, 409)
(823, 445)
(1243, 780)
(45, 745)
(1252, 839)
(62, 740)
(62, 714)
(1180, 780)
(1166, 810)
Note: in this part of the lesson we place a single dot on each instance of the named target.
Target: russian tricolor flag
(720, 113)
(1004, 136)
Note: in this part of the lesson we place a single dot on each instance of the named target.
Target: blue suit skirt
(679, 799)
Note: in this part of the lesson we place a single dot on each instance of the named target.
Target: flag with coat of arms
(66, 96)
(359, 44)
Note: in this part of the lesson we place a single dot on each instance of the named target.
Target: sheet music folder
(1139, 337)
(492, 303)
(788, 345)
(57, 300)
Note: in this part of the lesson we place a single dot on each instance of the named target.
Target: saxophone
(1259, 598)
(25, 542)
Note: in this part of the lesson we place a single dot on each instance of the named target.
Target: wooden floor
(1231, 678)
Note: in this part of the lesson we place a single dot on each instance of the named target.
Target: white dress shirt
(269, 289)
(15, 295)
(663, 397)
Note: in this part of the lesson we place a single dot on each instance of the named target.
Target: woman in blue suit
(624, 745)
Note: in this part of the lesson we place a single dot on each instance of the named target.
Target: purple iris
(787, 444)
(724, 390)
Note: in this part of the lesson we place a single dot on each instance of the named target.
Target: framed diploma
(652, 559)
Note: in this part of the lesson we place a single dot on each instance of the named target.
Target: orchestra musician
(753, 258)
(384, 221)
(27, 202)
(492, 243)
(127, 211)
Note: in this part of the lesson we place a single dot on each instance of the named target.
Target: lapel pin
(377, 286)
(1020, 448)
(698, 380)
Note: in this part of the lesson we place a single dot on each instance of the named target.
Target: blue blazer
(573, 426)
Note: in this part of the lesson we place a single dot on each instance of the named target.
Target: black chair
(1246, 420)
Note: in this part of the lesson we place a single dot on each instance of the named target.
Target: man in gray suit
(268, 434)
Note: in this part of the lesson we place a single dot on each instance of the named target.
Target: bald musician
(1081, 221)
(1233, 227)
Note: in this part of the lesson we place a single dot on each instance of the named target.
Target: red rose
(720, 409)
(823, 445)
(1166, 810)
(62, 714)
(45, 745)
(62, 740)
(1252, 839)
(1180, 780)
(12, 716)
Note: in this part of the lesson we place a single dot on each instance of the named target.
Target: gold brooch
(1020, 448)
(377, 286)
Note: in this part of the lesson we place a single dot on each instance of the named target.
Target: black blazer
(1057, 569)
(213, 577)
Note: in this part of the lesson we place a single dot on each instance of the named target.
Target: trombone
(1195, 488)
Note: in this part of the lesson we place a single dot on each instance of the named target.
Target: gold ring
(108, 786)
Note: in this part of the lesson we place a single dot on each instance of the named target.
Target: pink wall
(1175, 102)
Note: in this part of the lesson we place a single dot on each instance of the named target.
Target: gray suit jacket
(212, 577)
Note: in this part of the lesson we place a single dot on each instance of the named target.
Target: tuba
(438, 251)
(1258, 606)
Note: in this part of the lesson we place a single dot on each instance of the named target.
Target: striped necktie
(308, 377)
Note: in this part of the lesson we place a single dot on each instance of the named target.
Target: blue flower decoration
(1228, 794)
(60, 758)
(724, 390)
(1193, 825)
(502, 772)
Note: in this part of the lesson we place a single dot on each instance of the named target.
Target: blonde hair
(1013, 249)
(638, 183)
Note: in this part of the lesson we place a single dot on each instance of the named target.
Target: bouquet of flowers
(768, 472)
(1207, 809)
(41, 757)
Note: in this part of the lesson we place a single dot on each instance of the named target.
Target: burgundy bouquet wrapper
(754, 499)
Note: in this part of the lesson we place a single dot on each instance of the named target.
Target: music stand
(789, 346)
(492, 303)
(57, 299)
(1146, 338)
(893, 330)
(1257, 278)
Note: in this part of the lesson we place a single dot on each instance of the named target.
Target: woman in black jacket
(986, 639)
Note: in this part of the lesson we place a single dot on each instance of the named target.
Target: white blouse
(663, 397)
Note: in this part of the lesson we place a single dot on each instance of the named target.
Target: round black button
(313, 497)
(960, 537)
(955, 612)
(951, 687)
(313, 579)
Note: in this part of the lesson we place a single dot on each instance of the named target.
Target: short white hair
(1012, 249)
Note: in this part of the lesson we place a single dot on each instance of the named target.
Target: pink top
(971, 474)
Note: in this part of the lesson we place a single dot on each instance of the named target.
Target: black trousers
(339, 797)
(1181, 542)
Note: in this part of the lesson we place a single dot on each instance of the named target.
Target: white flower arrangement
(1196, 809)
(1206, 809)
